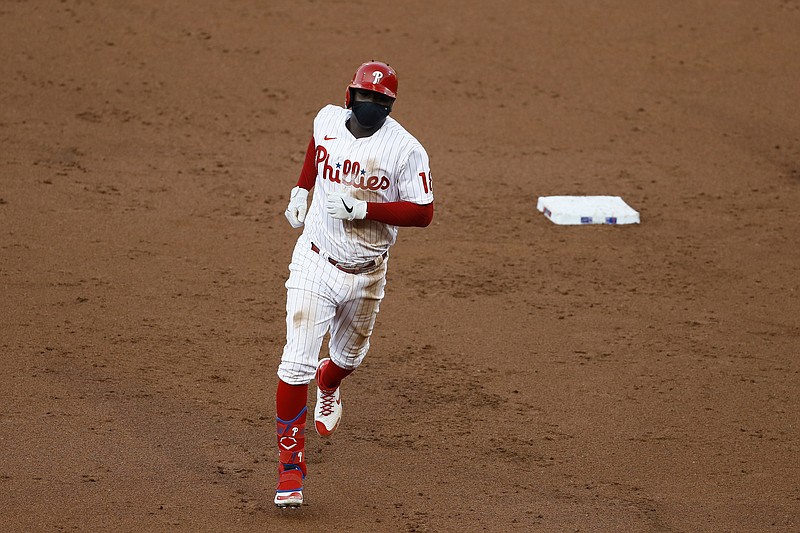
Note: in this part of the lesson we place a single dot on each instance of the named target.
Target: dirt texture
(523, 376)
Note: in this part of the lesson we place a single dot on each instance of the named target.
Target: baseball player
(369, 176)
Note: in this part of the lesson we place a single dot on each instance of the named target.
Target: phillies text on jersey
(388, 166)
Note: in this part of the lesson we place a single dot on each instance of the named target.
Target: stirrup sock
(332, 375)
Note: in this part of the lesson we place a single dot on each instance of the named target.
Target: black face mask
(369, 114)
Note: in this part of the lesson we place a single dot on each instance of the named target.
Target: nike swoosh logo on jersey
(329, 138)
(346, 207)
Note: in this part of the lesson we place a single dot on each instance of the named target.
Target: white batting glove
(298, 206)
(345, 207)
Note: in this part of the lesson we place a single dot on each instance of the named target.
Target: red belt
(354, 268)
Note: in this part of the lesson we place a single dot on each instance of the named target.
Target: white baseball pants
(321, 298)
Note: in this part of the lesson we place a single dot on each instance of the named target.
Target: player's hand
(298, 206)
(345, 207)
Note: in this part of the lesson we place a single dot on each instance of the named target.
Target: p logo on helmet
(373, 76)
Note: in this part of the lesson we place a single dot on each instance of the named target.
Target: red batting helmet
(373, 76)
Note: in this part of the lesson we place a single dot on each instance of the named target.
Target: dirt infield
(523, 376)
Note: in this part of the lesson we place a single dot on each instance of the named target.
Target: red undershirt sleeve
(401, 213)
(308, 175)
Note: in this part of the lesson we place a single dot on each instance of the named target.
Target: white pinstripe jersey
(388, 166)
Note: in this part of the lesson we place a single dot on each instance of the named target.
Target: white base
(576, 210)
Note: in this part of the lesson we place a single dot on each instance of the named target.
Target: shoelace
(328, 400)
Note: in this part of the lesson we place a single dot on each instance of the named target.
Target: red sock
(290, 400)
(333, 375)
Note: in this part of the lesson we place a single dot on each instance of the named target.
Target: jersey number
(427, 182)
